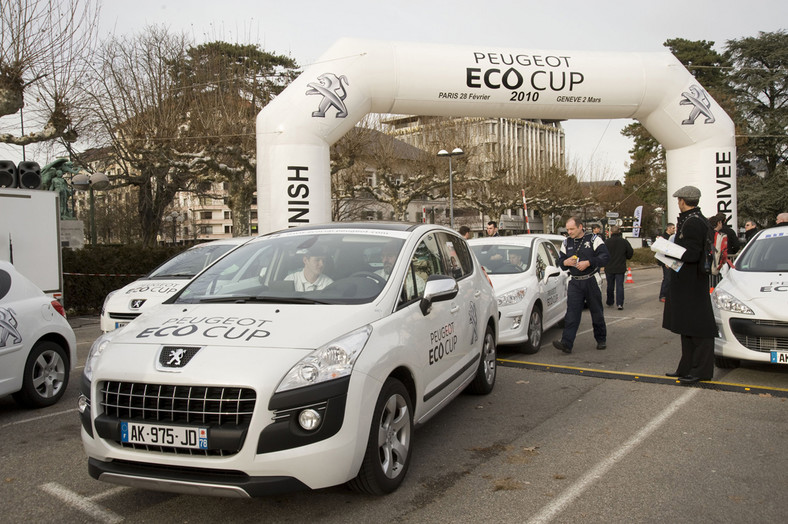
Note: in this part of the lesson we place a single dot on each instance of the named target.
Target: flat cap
(690, 192)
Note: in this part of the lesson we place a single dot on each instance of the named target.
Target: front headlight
(727, 302)
(331, 361)
(106, 299)
(512, 297)
(95, 353)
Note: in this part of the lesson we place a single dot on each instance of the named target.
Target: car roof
(382, 226)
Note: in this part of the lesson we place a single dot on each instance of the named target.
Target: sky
(305, 29)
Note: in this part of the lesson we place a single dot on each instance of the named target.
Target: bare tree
(138, 113)
(44, 53)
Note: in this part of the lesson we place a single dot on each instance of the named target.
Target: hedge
(86, 280)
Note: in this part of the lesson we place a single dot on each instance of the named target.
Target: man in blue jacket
(582, 254)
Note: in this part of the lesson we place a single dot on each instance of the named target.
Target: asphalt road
(595, 436)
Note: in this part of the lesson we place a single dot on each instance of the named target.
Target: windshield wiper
(173, 275)
(260, 299)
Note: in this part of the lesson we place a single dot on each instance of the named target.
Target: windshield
(191, 261)
(500, 259)
(313, 268)
(768, 252)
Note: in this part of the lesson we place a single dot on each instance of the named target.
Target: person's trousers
(663, 289)
(697, 357)
(579, 293)
(615, 282)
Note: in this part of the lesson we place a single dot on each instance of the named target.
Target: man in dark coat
(620, 251)
(688, 311)
(750, 228)
(582, 254)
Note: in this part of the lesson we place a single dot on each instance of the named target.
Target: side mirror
(553, 274)
(437, 289)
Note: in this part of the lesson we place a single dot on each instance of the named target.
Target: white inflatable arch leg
(357, 77)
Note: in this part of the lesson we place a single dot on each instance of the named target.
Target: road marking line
(108, 493)
(80, 503)
(549, 511)
(24, 421)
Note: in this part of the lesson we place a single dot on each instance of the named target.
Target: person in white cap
(688, 310)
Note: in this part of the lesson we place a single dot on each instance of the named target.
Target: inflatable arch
(356, 77)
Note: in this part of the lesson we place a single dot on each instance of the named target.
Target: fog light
(309, 419)
(516, 321)
(83, 403)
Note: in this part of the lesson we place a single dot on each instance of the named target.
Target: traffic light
(29, 175)
(8, 174)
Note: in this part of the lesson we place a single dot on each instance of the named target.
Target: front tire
(46, 376)
(484, 381)
(387, 456)
(535, 330)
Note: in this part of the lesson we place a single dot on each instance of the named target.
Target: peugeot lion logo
(699, 100)
(8, 327)
(332, 89)
(175, 357)
(137, 303)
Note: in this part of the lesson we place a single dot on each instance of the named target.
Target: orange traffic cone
(629, 277)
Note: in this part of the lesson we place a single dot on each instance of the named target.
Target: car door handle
(454, 308)
(477, 294)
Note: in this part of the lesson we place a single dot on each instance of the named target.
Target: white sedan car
(37, 346)
(303, 359)
(127, 303)
(750, 303)
(529, 286)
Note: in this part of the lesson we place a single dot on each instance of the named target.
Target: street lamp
(90, 182)
(176, 218)
(456, 152)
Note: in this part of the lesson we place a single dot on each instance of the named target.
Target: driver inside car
(311, 277)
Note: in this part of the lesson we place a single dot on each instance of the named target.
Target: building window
(228, 229)
(206, 230)
(206, 215)
(227, 215)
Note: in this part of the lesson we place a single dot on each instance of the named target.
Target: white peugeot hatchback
(37, 345)
(750, 303)
(304, 358)
(127, 303)
(529, 286)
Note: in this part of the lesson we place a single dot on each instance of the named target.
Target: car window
(767, 253)
(458, 255)
(553, 253)
(191, 261)
(427, 260)
(500, 259)
(337, 268)
(543, 260)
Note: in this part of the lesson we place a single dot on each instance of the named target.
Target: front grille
(761, 335)
(124, 316)
(219, 408)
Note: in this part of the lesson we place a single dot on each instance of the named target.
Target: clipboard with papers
(668, 253)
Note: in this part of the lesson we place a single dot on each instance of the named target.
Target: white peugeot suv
(303, 359)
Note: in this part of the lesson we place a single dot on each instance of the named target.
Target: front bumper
(747, 338)
(271, 455)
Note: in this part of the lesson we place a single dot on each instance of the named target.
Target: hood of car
(766, 293)
(503, 283)
(143, 294)
(261, 326)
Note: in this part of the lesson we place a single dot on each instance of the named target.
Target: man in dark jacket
(688, 310)
(620, 251)
(750, 228)
(582, 254)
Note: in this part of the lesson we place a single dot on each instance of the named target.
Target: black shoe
(558, 344)
(672, 375)
(689, 379)
(610, 304)
(601, 345)
(620, 307)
